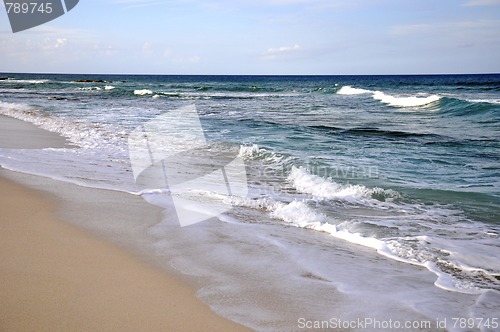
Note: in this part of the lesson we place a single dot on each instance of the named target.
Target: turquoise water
(406, 166)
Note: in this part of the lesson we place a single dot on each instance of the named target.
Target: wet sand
(55, 276)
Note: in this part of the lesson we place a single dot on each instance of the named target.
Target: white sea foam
(143, 92)
(489, 101)
(407, 101)
(422, 251)
(308, 183)
(249, 151)
(79, 133)
(300, 214)
(412, 101)
(89, 88)
(295, 212)
(254, 152)
(26, 81)
(109, 87)
(448, 282)
(453, 272)
(348, 90)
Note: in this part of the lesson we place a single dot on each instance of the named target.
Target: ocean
(367, 196)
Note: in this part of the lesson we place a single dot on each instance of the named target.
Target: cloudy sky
(261, 37)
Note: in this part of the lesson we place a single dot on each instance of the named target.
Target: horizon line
(256, 75)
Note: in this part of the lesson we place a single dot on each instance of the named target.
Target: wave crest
(411, 101)
(143, 92)
(319, 187)
(404, 101)
(254, 152)
(348, 90)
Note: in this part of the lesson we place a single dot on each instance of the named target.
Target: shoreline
(60, 276)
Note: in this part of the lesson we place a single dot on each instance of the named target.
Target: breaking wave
(143, 92)
(307, 183)
(396, 101)
(412, 101)
(347, 90)
(255, 153)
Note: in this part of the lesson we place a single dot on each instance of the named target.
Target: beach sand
(55, 276)
(17, 134)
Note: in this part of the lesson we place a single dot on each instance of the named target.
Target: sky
(260, 37)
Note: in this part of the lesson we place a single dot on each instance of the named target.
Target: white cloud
(283, 49)
(58, 43)
(473, 3)
(39, 41)
(281, 52)
(47, 48)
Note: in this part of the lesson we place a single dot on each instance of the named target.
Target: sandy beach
(55, 276)
(17, 134)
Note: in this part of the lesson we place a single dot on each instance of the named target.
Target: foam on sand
(301, 215)
(452, 270)
(78, 133)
